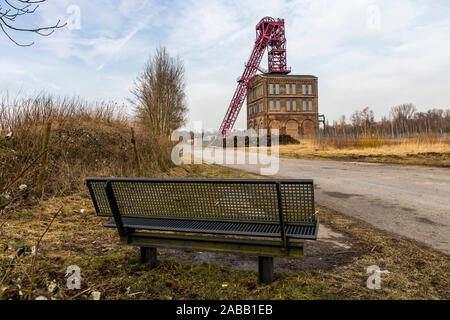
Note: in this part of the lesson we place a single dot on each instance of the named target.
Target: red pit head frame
(269, 34)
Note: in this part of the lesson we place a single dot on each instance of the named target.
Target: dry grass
(85, 140)
(421, 151)
(78, 238)
(416, 272)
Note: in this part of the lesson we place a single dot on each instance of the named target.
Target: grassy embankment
(427, 151)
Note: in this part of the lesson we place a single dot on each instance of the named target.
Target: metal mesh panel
(229, 228)
(298, 202)
(247, 201)
(98, 195)
(198, 200)
(201, 226)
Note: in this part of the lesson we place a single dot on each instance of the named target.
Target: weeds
(423, 150)
(20, 251)
(86, 140)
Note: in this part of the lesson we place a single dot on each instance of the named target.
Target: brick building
(285, 102)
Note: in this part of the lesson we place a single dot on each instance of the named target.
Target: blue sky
(372, 53)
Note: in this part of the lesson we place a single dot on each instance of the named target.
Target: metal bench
(266, 218)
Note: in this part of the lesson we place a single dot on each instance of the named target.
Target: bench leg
(265, 269)
(149, 254)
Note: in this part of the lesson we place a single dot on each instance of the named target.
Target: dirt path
(331, 249)
(409, 201)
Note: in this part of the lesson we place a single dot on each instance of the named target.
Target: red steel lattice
(270, 34)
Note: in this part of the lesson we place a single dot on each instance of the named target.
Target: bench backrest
(207, 199)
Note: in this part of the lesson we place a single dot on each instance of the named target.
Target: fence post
(136, 155)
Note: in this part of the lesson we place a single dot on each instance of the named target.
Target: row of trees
(403, 121)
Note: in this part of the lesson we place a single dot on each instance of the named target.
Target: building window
(271, 88)
(277, 89)
(303, 88)
(304, 105)
(287, 88)
(278, 105)
(309, 89)
(294, 105)
(293, 89)
(310, 105)
(261, 107)
(271, 105)
(288, 106)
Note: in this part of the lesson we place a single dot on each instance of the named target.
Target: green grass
(171, 279)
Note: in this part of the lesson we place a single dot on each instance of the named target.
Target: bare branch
(17, 8)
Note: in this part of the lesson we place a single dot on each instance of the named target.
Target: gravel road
(409, 201)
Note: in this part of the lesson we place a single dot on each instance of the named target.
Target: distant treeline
(403, 121)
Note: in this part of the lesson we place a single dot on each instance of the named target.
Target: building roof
(283, 75)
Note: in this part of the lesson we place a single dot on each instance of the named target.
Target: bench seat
(219, 227)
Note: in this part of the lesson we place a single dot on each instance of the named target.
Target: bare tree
(12, 10)
(403, 121)
(363, 120)
(403, 111)
(159, 94)
(401, 117)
